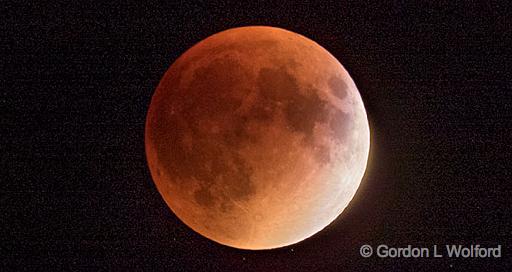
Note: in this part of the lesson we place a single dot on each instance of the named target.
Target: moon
(257, 137)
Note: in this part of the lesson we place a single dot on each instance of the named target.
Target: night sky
(77, 79)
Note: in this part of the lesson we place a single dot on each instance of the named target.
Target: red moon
(257, 137)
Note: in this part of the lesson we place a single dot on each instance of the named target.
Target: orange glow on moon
(257, 138)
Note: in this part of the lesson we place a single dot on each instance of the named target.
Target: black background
(77, 79)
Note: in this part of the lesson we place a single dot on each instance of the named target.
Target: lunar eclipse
(257, 137)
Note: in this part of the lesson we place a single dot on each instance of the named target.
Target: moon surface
(257, 137)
